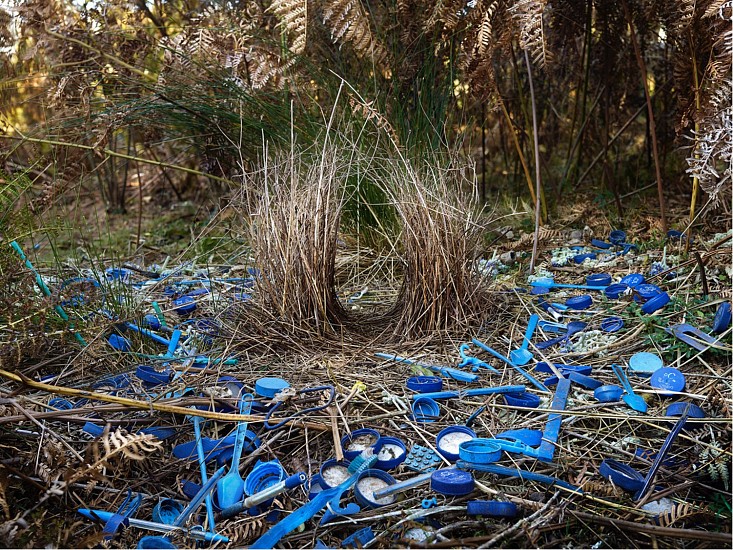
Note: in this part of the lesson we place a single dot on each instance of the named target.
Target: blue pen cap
(668, 378)
(392, 454)
(495, 508)
(370, 481)
(722, 318)
(359, 440)
(449, 439)
(425, 410)
(452, 482)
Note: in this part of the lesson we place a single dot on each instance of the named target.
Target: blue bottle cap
(424, 384)
(151, 321)
(370, 481)
(633, 280)
(118, 274)
(166, 511)
(609, 393)
(452, 482)
(579, 302)
(613, 292)
(580, 258)
(425, 409)
(646, 291)
(612, 324)
(184, 305)
(479, 451)
(149, 542)
(448, 440)
(656, 303)
(264, 475)
(150, 375)
(722, 318)
(668, 378)
(598, 279)
(119, 342)
(678, 409)
(357, 441)
(269, 386)
(622, 475)
(333, 472)
(392, 454)
(645, 363)
(617, 237)
(498, 508)
(524, 399)
(673, 234)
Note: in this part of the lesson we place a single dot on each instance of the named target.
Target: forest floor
(96, 414)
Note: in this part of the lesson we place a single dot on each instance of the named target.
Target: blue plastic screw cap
(166, 511)
(269, 386)
(425, 409)
(621, 475)
(617, 237)
(479, 451)
(149, 542)
(633, 280)
(609, 393)
(392, 454)
(722, 318)
(579, 302)
(580, 258)
(424, 384)
(598, 279)
(668, 378)
(448, 440)
(264, 475)
(645, 363)
(495, 508)
(119, 342)
(365, 493)
(612, 324)
(184, 305)
(524, 399)
(452, 482)
(646, 292)
(614, 292)
(656, 303)
(359, 440)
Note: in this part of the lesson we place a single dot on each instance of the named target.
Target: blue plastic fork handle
(520, 370)
(622, 475)
(515, 472)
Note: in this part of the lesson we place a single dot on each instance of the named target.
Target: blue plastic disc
(184, 305)
(598, 279)
(722, 318)
(656, 303)
(424, 384)
(617, 237)
(633, 280)
(668, 378)
(579, 302)
(270, 386)
(452, 482)
(612, 324)
(609, 393)
(425, 410)
(495, 508)
(613, 292)
(645, 363)
(646, 292)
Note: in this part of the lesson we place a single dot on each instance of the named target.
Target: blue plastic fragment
(521, 474)
(722, 318)
(552, 428)
(617, 237)
(496, 508)
(580, 258)
(585, 381)
(184, 305)
(612, 324)
(524, 435)
(422, 459)
(524, 399)
(358, 539)
(429, 503)
(600, 244)
(118, 342)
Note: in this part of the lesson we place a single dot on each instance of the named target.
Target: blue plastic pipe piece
(470, 393)
(149, 333)
(197, 534)
(173, 342)
(39, 281)
(539, 385)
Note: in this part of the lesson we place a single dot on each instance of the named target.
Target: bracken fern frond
(293, 16)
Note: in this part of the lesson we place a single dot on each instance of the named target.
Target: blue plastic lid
(613, 292)
(118, 342)
(448, 440)
(580, 258)
(609, 393)
(334, 471)
(264, 475)
(166, 511)
(524, 399)
(668, 378)
(479, 451)
(621, 475)
(452, 482)
(357, 441)
(425, 409)
(617, 237)
(364, 490)
(645, 363)
(269, 386)
(646, 291)
(392, 454)
(722, 318)
(150, 375)
(118, 274)
(154, 541)
(598, 279)
(656, 303)
(579, 302)
(497, 508)
(678, 409)
(151, 321)
(585, 381)
(612, 324)
(633, 280)
(184, 305)
(424, 384)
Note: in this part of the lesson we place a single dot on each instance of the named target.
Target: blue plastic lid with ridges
(598, 279)
(633, 280)
(389, 458)
(441, 442)
(452, 482)
(656, 303)
(647, 291)
(613, 292)
(608, 393)
(425, 410)
(424, 384)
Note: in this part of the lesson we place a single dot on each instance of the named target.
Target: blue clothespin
(473, 362)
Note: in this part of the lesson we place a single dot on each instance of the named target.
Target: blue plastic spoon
(230, 488)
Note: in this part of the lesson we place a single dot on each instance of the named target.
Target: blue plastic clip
(473, 362)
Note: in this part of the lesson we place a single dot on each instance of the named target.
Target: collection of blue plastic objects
(376, 468)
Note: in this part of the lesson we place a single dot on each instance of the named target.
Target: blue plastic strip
(515, 472)
(552, 429)
(470, 393)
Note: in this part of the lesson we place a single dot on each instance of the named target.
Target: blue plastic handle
(470, 393)
(539, 385)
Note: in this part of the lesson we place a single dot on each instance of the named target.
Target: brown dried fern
(293, 16)
(529, 14)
